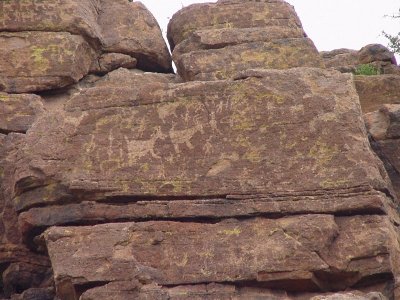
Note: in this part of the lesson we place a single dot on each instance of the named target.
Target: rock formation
(249, 175)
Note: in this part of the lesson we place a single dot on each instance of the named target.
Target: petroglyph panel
(250, 136)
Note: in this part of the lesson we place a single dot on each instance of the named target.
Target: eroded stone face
(249, 184)
(147, 144)
(36, 61)
(51, 44)
(216, 40)
(299, 251)
(18, 112)
(374, 91)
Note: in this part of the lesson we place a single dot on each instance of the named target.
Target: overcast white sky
(331, 24)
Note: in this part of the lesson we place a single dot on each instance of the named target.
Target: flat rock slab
(18, 111)
(213, 291)
(374, 91)
(230, 14)
(199, 140)
(224, 63)
(35, 61)
(300, 253)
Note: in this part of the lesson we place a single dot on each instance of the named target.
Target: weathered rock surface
(210, 125)
(51, 44)
(35, 61)
(137, 164)
(213, 41)
(303, 252)
(18, 111)
(256, 182)
(383, 125)
(374, 91)
(347, 60)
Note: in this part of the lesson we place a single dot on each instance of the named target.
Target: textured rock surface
(374, 91)
(108, 150)
(302, 252)
(34, 61)
(213, 41)
(383, 126)
(18, 112)
(50, 44)
(125, 184)
(347, 60)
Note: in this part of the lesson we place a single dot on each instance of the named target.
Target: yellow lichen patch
(4, 97)
(145, 167)
(41, 62)
(323, 153)
(254, 56)
(253, 155)
(236, 231)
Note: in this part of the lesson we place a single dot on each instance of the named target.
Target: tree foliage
(394, 40)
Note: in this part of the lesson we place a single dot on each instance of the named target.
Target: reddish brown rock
(222, 136)
(384, 123)
(214, 41)
(108, 26)
(111, 61)
(299, 253)
(18, 112)
(230, 14)
(35, 61)
(262, 186)
(376, 52)
(213, 291)
(225, 62)
(129, 28)
(374, 91)
(383, 126)
(347, 60)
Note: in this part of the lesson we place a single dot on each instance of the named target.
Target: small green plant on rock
(366, 69)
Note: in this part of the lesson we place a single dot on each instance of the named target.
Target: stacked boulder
(375, 55)
(379, 97)
(214, 40)
(249, 176)
(51, 44)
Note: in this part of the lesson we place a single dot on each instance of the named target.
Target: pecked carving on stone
(248, 180)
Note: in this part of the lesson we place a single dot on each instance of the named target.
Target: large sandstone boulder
(296, 253)
(51, 44)
(376, 55)
(204, 151)
(257, 182)
(35, 61)
(214, 40)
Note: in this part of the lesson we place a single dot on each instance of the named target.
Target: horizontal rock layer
(304, 252)
(213, 41)
(209, 125)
